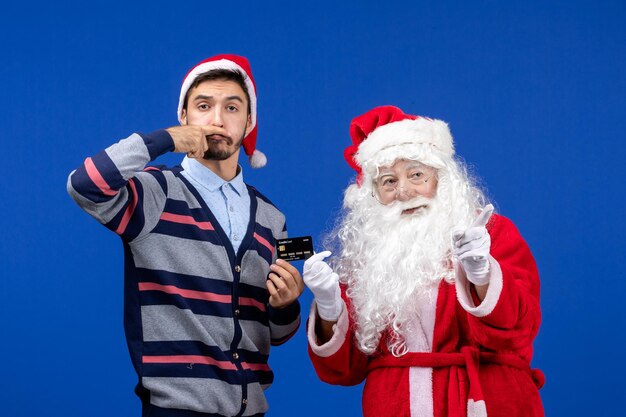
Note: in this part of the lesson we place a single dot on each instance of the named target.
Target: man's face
(404, 181)
(219, 103)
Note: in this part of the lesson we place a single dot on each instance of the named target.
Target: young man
(434, 301)
(204, 295)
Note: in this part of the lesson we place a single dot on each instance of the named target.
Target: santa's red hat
(386, 127)
(234, 63)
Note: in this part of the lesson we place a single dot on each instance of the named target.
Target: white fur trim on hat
(216, 65)
(406, 132)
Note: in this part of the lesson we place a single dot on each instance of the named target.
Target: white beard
(389, 259)
(409, 252)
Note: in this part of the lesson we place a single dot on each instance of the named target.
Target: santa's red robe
(466, 357)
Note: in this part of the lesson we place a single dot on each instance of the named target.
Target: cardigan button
(244, 401)
(237, 268)
(235, 356)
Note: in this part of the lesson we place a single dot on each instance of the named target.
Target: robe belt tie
(470, 358)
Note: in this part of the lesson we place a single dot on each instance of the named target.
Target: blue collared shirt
(228, 200)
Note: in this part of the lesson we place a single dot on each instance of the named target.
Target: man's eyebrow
(229, 98)
(238, 98)
(203, 97)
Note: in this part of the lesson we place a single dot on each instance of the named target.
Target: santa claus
(433, 300)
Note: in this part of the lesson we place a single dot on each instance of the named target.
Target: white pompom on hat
(388, 126)
(236, 63)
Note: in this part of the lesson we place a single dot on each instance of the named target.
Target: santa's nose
(405, 193)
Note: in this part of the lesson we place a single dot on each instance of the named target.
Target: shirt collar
(209, 179)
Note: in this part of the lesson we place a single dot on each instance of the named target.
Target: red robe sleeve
(512, 322)
(337, 361)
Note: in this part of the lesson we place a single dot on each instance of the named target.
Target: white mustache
(395, 209)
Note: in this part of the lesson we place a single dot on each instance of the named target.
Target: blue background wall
(534, 93)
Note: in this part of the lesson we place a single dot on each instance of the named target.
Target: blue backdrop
(534, 92)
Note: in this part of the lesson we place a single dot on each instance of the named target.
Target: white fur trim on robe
(476, 408)
(420, 339)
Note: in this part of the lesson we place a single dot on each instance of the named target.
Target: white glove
(472, 248)
(324, 284)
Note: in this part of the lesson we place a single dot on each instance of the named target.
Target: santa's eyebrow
(419, 165)
(385, 171)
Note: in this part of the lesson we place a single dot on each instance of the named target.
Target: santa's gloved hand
(324, 284)
(471, 248)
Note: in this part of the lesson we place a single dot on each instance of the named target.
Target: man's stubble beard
(213, 154)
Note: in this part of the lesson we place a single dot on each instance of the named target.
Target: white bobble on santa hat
(234, 63)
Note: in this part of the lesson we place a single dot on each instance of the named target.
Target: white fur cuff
(493, 292)
(339, 336)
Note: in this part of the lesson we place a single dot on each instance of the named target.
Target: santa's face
(403, 182)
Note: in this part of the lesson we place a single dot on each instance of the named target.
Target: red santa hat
(387, 127)
(235, 63)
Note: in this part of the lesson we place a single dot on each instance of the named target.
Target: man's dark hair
(223, 75)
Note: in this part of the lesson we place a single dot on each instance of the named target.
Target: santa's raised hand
(324, 284)
(471, 248)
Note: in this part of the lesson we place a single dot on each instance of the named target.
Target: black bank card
(295, 248)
